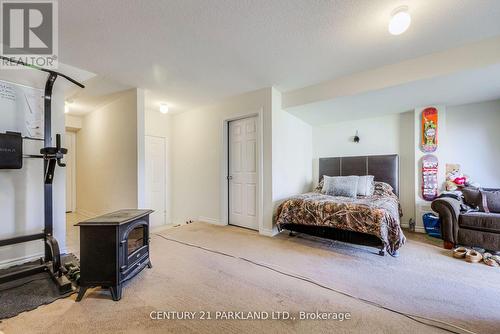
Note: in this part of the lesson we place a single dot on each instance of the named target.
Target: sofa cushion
(488, 222)
(490, 201)
(472, 196)
(473, 238)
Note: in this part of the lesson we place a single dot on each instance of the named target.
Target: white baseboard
(20, 260)
(157, 229)
(211, 221)
(268, 232)
(418, 229)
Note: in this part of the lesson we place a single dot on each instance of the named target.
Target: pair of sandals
(474, 256)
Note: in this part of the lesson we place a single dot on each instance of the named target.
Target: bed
(371, 220)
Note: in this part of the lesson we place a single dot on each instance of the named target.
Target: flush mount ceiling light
(400, 21)
(163, 108)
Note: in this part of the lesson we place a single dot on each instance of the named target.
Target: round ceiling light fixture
(400, 21)
(163, 108)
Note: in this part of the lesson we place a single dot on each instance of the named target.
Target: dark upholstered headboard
(385, 168)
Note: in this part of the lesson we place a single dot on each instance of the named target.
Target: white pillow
(366, 186)
(345, 186)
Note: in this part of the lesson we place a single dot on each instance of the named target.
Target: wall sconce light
(356, 138)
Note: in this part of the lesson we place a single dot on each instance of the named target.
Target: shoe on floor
(490, 260)
(460, 252)
(473, 256)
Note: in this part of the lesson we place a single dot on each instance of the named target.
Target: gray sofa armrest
(449, 211)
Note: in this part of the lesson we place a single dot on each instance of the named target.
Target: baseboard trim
(418, 229)
(211, 221)
(21, 260)
(268, 232)
(164, 227)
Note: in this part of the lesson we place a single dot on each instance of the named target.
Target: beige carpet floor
(424, 280)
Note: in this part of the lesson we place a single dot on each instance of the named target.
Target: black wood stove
(113, 249)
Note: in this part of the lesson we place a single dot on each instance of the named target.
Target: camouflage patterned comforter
(377, 215)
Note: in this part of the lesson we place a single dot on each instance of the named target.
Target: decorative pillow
(383, 189)
(319, 187)
(472, 196)
(490, 201)
(365, 185)
(345, 186)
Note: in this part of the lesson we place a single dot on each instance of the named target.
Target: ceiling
(459, 88)
(193, 52)
(98, 91)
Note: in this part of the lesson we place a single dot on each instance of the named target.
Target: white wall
(391, 134)
(73, 123)
(160, 125)
(199, 155)
(473, 141)
(107, 157)
(140, 104)
(21, 195)
(292, 153)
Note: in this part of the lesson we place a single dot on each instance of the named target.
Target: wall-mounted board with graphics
(21, 109)
(429, 177)
(429, 129)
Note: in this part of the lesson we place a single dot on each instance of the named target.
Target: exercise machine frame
(51, 262)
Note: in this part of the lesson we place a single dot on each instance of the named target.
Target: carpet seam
(321, 285)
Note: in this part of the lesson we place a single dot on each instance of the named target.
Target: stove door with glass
(134, 249)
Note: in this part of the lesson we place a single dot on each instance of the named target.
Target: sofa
(473, 221)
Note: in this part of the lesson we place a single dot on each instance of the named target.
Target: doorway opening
(156, 152)
(71, 172)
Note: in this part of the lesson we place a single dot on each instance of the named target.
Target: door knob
(230, 177)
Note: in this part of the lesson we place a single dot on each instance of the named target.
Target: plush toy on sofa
(455, 179)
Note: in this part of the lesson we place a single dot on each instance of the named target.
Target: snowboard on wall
(429, 177)
(429, 129)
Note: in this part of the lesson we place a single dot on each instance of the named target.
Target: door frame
(260, 165)
(167, 217)
(72, 137)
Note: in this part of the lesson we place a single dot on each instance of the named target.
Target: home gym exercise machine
(51, 156)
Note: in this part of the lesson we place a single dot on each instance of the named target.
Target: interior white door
(156, 179)
(70, 160)
(243, 173)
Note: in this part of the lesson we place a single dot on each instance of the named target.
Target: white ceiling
(98, 91)
(455, 89)
(193, 52)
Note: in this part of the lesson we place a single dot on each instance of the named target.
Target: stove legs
(116, 292)
(81, 293)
